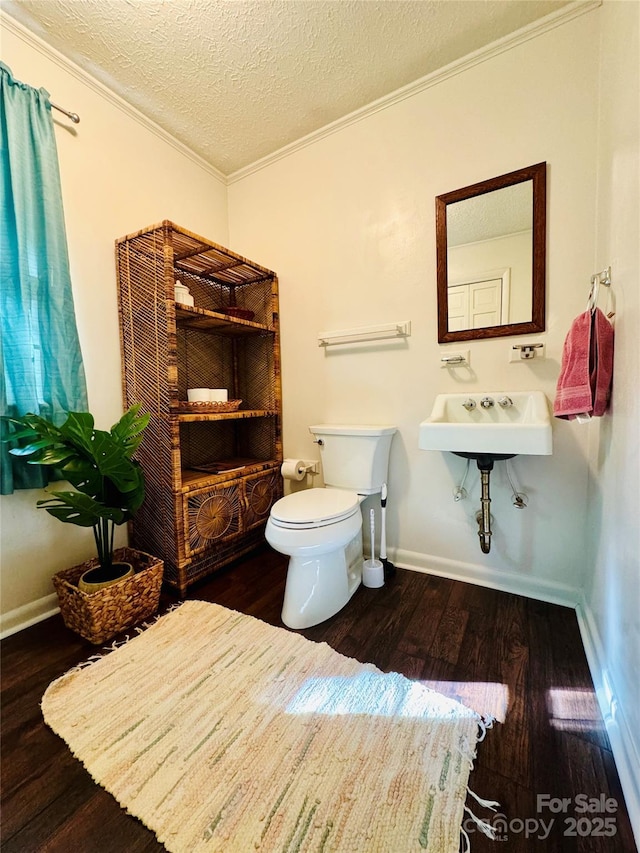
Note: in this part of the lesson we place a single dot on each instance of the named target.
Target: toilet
(321, 529)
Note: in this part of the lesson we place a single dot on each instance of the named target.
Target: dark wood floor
(516, 658)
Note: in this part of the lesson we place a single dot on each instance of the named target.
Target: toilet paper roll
(198, 395)
(293, 469)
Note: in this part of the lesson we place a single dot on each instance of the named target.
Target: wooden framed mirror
(491, 257)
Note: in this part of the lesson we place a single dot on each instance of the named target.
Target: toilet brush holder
(373, 570)
(373, 574)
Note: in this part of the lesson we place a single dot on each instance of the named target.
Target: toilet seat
(314, 508)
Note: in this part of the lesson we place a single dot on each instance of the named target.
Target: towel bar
(364, 334)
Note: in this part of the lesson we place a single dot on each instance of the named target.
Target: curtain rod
(75, 118)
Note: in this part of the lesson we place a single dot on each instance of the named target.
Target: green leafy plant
(109, 483)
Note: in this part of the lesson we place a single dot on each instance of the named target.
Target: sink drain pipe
(483, 517)
(485, 462)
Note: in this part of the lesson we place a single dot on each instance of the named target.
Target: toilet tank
(354, 457)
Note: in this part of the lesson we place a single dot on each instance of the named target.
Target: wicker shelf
(194, 480)
(188, 417)
(198, 520)
(221, 324)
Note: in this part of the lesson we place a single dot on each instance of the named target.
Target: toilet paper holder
(297, 469)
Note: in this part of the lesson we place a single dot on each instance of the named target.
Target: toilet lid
(313, 507)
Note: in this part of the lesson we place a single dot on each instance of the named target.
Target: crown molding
(34, 41)
(459, 66)
(555, 19)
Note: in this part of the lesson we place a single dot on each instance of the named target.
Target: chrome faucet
(469, 404)
(505, 402)
(487, 402)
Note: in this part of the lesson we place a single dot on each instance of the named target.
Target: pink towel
(584, 385)
(602, 369)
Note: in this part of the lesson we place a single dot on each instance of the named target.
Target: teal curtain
(42, 370)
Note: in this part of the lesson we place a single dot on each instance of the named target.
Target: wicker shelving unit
(211, 477)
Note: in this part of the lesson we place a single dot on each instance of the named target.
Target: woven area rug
(222, 733)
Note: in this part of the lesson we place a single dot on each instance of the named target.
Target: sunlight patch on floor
(573, 710)
(488, 698)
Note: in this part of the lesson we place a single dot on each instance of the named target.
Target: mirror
(490, 246)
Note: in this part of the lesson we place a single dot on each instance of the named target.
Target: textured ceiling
(493, 214)
(235, 80)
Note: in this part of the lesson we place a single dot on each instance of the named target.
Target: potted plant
(109, 488)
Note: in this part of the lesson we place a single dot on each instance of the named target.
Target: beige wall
(117, 176)
(348, 222)
(612, 587)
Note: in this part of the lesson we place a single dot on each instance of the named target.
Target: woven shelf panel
(153, 526)
(201, 443)
(210, 441)
(244, 366)
(196, 254)
(258, 439)
(256, 372)
(204, 361)
(143, 322)
(213, 516)
(212, 264)
(261, 492)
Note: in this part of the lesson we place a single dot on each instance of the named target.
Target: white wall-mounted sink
(516, 422)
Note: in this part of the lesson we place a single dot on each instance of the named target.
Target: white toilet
(321, 529)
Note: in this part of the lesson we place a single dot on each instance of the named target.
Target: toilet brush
(373, 570)
(389, 568)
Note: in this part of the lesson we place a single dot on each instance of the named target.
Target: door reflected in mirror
(490, 240)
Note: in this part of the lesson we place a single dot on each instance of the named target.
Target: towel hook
(600, 278)
(603, 277)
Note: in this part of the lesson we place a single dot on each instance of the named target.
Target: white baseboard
(22, 617)
(542, 589)
(626, 752)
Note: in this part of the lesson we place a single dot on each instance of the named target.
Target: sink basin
(522, 427)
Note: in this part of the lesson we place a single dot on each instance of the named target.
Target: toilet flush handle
(318, 441)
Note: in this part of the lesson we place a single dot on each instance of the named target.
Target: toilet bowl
(321, 529)
(321, 532)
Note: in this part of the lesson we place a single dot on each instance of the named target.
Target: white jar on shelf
(182, 294)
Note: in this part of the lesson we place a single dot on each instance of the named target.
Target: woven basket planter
(100, 616)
